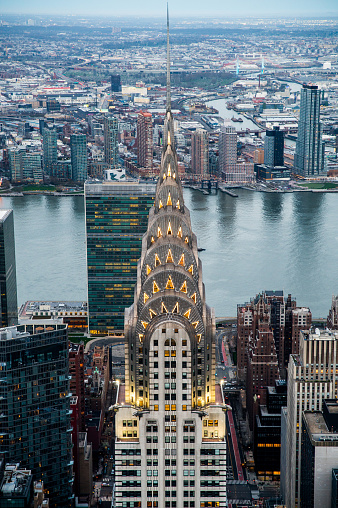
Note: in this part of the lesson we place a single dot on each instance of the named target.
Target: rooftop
(318, 432)
(4, 214)
(16, 482)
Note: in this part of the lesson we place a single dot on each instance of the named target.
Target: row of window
(172, 407)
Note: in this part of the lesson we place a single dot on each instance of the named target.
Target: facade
(76, 372)
(312, 378)
(227, 147)
(200, 152)
(241, 172)
(309, 155)
(8, 291)
(145, 140)
(50, 153)
(115, 80)
(31, 168)
(319, 458)
(78, 151)
(14, 160)
(116, 219)
(111, 131)
(35, 405)
(274, 148)
(170, 421)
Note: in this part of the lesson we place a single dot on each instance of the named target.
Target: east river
(254, 242)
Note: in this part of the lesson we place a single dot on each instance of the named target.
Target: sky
(191, 8)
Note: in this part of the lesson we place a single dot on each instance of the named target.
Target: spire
(168, 64)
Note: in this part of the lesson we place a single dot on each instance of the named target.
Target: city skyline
(191, 9)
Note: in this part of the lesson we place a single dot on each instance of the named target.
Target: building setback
(35, 405)
(116, 219)
(8, 291)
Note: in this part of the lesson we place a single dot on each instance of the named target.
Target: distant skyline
(154, 8)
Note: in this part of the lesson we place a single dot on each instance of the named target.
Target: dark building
(145, 140)
(116, 220)
(76, 372)
(274, 148)
(8, 291)
(334, 494)
(267, 433)
(53, 106)
(115, 80)
(276, 173)
(35, 405)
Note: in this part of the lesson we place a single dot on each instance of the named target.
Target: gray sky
(193, 8)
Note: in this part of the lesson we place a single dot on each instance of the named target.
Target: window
(167, 407)
(184, 365)
(156, 407)
(173, 407)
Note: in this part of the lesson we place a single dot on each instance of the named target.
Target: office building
(35, 405)
(145, 140)
(227, 147)
(312, 376)
(111, 149)
(319, 456)
(53, 106)
(50, 153)
(115, 80)
(200, 153)
(332, 318)
(8, 290)
(170, 423)
(78, 152)
(274, 148)
(116, 219)
(309, 155)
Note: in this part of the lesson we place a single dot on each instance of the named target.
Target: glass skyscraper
(78, 150)
(116, 219)
(35, 405)
(111, 131)
(8, 295)
(50, 153)
(309, 155)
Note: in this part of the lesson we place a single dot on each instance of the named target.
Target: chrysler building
(170, 448)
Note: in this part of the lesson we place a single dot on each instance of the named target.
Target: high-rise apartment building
(227, 147)
(14, 161)
(170, 448)
(78, 151)
(8, 292)
(116, 220)
(35, 405)
(309, 155)
(145, 140)
(31, 168)
(312, 377)
(332, 318)
(111, 150)
(50, 153)
(200, 152)
(274, 148)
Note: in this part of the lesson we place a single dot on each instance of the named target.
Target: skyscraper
(227, 147)
(145, 140)
(274, 148)
(170, 421)
(116, 219)
(111, 131)
(312, 377)
(115, 81)
(200, 153)
(50, 153)
(8, 295)
(35, 405)
(309, 155)
(78, 151)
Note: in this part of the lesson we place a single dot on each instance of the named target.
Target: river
(254, 242)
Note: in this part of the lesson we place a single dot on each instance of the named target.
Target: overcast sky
(193, 8)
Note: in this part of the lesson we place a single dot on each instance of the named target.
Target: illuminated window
(145, 297)
(160, 205)
(169, 170)
(169, 202)
(170, 284)
(184, 407)
(156, 407)
(187, 314)
(186, 239)
(164, 309)
(178, 204)
(179, 232)
(159, 232)
(169, 231)
(191, 269)
(183, 288)
(155, 288)
(157, 260)
(181, 261)
(195, 324)
(175, 309)
(167, 407)
(166, 352)
(152, 239)
(173, 407)
(193, 297)
(144, 324)
(152, 313)
(169, 257)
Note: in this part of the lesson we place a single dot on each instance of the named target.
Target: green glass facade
(35, 406)
(116, 219)
(8, 292)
